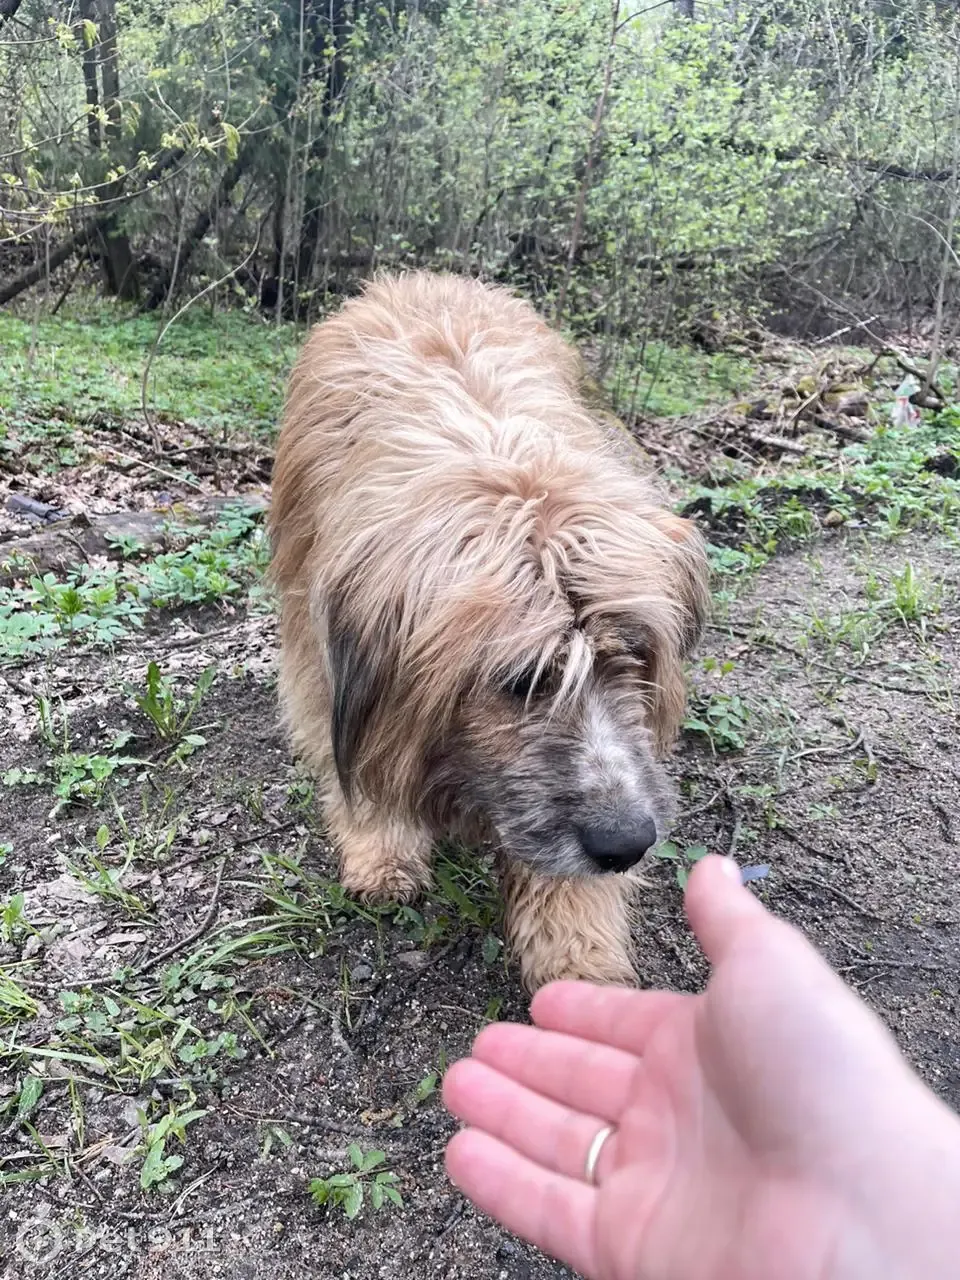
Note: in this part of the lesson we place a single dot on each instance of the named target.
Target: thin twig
(151, 466)
(838, 893)
(830, 751)
(312, 1122)
(200, 930)
(214, 284)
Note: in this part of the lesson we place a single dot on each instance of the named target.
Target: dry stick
(842, 429)
(204, 854)
(160, 471)
(839, 893)
(201, 929)
(311, 1122)
(165, 954)
(777, 442)
(830, 751)
(885, 685)
(847, 328)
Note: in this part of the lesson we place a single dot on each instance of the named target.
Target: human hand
(768, 1128)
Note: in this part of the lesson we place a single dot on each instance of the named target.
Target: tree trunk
(110, 68)
(116, 256)
(48, 262)
(685, 9)
(330, 26)
(90, 231)
(8, 10)
(201, 225)
(89, 64)
(119, 265)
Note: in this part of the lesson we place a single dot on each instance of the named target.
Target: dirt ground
(223, 920)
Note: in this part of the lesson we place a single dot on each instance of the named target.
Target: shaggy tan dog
(485, 607)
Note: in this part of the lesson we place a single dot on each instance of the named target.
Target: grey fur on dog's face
(541, 777)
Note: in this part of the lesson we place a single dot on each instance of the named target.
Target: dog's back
(419, 369)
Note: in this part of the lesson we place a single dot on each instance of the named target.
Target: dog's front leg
(382, 858)
(576, 927)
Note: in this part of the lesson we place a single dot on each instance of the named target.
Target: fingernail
(731, 870)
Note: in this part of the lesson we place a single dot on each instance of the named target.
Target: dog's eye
(523, 684)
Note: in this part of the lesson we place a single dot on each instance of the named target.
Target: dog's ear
(361, 668)
(694, 570)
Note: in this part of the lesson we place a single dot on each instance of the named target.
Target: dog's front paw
(581, 965)
(381, 885)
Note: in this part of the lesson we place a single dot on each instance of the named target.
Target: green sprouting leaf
(30, 1093)
(353, 1200)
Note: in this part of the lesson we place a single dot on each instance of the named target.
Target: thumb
(719, 907)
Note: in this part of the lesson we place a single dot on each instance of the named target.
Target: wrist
(904, 1219)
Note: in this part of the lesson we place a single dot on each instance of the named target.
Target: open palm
(748, 1142)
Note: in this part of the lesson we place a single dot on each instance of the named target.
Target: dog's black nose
(617, 848)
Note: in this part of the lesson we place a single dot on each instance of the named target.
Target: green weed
(13, 921)
(350, 1190)
(16, 1004)
(721, 718)
(77, 777)
(90, 606)
(683, 860)
(98, 607)
(158, 1166)
(907, 597)
(171, 715)
(106, 882)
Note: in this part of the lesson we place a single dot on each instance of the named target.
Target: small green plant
(796, 521)
(721, 718)
(906, 597)
(349, 1190)
(106, 882)
(127, 544)
(16, 1004)
(912, 600)
(24, 1102)
(78, 777)
(13, 921)
(683, 860)
(89, 605)
(427, 1087)
(157, 1166)
(169, 714)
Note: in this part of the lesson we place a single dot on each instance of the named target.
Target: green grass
(224, 372)
(671, 381)
(96, 607)
(884, 485)
(364, 1182)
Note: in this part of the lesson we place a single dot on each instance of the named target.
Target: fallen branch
(776, 442)
(55, 548)
(192, 937)
(842, 429)
(908, 367)
(47, 263)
